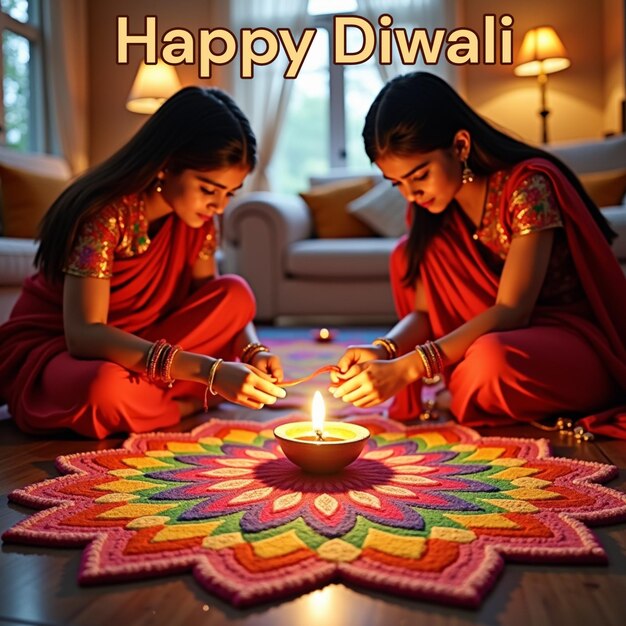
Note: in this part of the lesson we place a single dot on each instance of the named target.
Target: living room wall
(111, 125)
(585, 99)
(614, 65)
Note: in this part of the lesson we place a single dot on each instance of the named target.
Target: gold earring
(159, 186)
(467, 176)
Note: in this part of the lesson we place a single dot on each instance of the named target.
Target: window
(318, 134)
(21, 88)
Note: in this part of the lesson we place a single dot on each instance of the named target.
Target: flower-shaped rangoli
(426, 511)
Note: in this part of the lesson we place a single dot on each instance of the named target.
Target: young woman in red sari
(506, 284)
(126, 326)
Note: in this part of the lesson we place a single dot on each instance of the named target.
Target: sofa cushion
(383, 208)
(605, 188)
(26, 196)
(364, 258)
(327, 204)
(592, 156)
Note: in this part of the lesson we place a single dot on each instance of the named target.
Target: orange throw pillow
(605, 188)
(328, 206)
(25, 197)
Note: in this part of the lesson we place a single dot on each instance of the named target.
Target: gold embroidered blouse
(119, 230)
(531, 208)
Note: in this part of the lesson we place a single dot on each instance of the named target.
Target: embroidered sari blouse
(532, 207)
(119, 230)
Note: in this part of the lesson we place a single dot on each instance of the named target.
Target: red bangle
(153, 359)
(166, 376)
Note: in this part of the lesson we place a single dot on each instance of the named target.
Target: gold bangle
(212, 373)
(394, 348)
(154, 355)
(427, 368)
(381, 342)
(391, 347)
(210, 381)
(247, 347)
(251, 350)
(436, 351)
(166, 377)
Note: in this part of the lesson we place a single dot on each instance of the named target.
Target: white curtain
(65, 45)
(264, 98)
(409, 14)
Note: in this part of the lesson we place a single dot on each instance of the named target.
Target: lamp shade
(153, 85)
(542, 52)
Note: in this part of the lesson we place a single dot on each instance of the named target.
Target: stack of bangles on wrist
(159, 362)
(431, 358)
(251, 350)
(391, 347)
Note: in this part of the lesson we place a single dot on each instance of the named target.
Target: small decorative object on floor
(324, 335)
(429, 511)
(566, 428)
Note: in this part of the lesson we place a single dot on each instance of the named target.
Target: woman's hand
(353, 356)
(369, 383)
(246, 385)
(270, 364)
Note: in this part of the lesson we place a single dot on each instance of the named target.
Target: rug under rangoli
(427, 512)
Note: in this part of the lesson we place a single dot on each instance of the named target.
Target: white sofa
(17, 254)
(269, 239)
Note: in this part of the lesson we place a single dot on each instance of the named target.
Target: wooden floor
(38, 585)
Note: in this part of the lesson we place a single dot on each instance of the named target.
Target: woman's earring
(159, 185)
(467, 175)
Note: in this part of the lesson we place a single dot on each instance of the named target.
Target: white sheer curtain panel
(410, 14)
(65, 42)
(264, 98)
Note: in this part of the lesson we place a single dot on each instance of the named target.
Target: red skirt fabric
(46, 389)
(570, 360)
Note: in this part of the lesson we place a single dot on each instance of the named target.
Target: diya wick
(318, 446)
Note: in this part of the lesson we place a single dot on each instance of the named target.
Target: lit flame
(318, 412)
(324, 333)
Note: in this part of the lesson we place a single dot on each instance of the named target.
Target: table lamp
(153, 85)
(542, 53)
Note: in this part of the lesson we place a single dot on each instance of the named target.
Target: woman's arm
(522, 277)
(265, 360)
(88, 335)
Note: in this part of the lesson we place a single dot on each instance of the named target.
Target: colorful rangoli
(427, 512)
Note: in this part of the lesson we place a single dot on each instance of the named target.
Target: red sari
(570, 359)
(46, 389)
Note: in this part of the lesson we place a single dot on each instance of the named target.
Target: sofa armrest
(16, 260)
(257, 230)
(288, 216)
(616, 216)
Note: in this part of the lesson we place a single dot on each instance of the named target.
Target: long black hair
(196, 128)
(418, 113)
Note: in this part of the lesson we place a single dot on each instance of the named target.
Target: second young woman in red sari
(506, 284)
